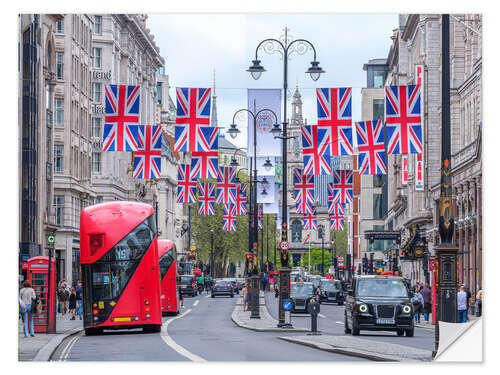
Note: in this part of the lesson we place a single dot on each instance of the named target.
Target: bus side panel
(170, 302)
(142, 294)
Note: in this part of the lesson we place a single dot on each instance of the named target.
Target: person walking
(462, 305)
(201, 283)
(63, 297)
(30, 300)
(181, 298)
(469, 295)
(479, 299)
(79, 300)
(418, 302)
(244, 297)
(72, 303)
(427, 296)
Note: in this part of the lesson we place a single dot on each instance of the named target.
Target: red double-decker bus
(168, 275)
(119, 262)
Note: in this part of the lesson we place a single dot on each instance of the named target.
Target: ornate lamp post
(286, 48)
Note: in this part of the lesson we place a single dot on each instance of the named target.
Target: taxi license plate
(386, 321)
(127, 319)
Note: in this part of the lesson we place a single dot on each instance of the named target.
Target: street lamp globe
(234, 163)
(264, 192)
(256, 69)
(276, 130)
(315, 70)
(233, 131)
(268, 165)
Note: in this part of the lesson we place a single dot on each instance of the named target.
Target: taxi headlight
(363, 308)
(406, 309)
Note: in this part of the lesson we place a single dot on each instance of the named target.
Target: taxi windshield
(331, 286)
(381, 288)
(299, 289)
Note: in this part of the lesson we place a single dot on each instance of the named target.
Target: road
(331, 322)
(202, 332)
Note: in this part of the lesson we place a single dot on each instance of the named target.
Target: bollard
(313, 308)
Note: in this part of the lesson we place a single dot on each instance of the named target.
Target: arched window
(296, 231)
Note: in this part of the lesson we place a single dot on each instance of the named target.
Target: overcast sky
(193, 45)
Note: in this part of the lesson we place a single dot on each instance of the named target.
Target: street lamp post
(299, 46)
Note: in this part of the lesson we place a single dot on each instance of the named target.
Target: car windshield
(331, 286)
(299, 289)
(381, 288)
(186, 279)
(222, 283)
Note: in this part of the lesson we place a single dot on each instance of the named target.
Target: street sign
(341, 259)
(284, 245)
(287, 305)
(51, 239)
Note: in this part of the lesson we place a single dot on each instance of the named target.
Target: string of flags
(332, 136)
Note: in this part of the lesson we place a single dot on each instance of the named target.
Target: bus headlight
(363, 308)
(406, 309)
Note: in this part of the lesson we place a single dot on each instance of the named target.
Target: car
(300, 294)
(189, 285)
(315, 279)
(234, 282)
(378, 303)
(222, 288)
(331, 291)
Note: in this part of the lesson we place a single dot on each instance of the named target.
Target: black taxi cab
(378, 303)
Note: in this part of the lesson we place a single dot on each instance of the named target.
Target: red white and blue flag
(342, 186)
(403, 119)
(304, 191)
(331, 199)
(122, 117)
(337, 218)
(147, 159)
(206, 198)
(226, 185)
(229, 219)
(334, 115)
(186, 187)
(372, 158)
(204, 164)
(193, 114)
(316, 150)
(260, 216)
(241, 199)
(311, 221)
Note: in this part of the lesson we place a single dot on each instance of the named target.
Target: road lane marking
(207, 296)
(67, 349)
(339, 322)
(170, 342)
(196, 302)
(321, 316)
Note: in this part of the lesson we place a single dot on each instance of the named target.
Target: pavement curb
(256, 329)
(48, 349)
(350, 352)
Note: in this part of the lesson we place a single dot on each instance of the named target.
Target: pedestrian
(181, 298)
(22, 309)
(462, 305)
(72, 303)
(479, 299)
(469, 295)
(427, 295)
(79, 300)
(30, 300)
(201, 282)
(63, 297)
(418, 302)
(244, 297)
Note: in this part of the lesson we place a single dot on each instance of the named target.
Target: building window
(96, 127)
(378, 79)
(97, 25)
(75, 267)
(377, 180)
(158, 92)
(97, 91)
(58, 158)
(378, 109)
(96, 162)
(60, 65)
(60, 26)
(98, 199)
(59, 209)
(296, 231)
(59, 111)
(377, 206)
(97, 57)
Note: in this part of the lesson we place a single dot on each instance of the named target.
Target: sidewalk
(423, 324)
(41, 347)
(266, 323)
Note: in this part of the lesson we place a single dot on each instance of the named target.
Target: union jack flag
(241, 199)
(186, 188)
(342, 186)
(316, 150)
(372, 158)
(334, 114)
(229, 219)
(304, 191)
(147, 159)
(206, 198)
(311, 221)
(204, 163)
(331, 199)
(260, 216)
(337, 218)
(122, 111)
(193, 114)
(226, 187)
(403, 119)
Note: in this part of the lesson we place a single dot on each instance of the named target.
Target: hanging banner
(404, 169)
(419, 172)
(263, 171)
(272, 208)
(259, 99)
(279, 218)
(269, 190)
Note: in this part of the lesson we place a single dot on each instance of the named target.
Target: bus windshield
(165, 262)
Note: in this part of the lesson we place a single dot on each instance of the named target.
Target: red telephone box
(38, 276)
